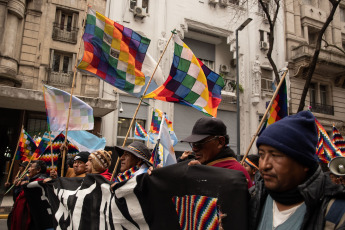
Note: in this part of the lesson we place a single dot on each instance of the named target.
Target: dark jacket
(317, 191)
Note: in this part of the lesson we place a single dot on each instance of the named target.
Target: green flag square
(129, 87)
(91, 19)
(121, 74)
(178, 50)
(183, 65)
(188, 81)
(192, 97)
(99, 32)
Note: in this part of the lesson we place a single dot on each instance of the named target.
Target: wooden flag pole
(264, 117)
(141, 99)
(15, 153)
(70, 99)
(51, 149)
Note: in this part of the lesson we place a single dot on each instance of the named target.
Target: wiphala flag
(175, 197)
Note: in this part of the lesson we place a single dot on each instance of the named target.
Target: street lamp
(240, 28)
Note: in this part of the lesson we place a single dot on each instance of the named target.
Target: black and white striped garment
(174, 197)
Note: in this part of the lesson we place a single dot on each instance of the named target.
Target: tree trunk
(313, 62)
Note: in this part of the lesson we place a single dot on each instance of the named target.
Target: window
(235, 2)
(319, 102)
(323, 95)
(312, 35)
(65, 26)
(312, 93)
(208, 63)
(266, 80)
(342, 14)
(144, 4)
(122, 129)
(262, 35)
(37, 124)
(62, 62)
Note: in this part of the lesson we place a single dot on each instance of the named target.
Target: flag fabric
(279, 108)
(338, 140)
(158, 78)
(146, 202)
(113, 53)
(57, 142)
(85, 141)
(326, 149)
(157, 155)
(42, 145)
(26, 147)
(155, 126)
(140, 132)
(169, 157)
(57, 106)
(190, 82)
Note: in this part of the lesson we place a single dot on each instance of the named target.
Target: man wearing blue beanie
(292, 192)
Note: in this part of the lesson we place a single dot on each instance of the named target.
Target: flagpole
(15, 153)
(148, 137)
(141, 99)
(51, 150)
(264, 117)
(22, 175)
(70, 99)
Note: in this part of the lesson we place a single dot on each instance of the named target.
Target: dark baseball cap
(82, 156)
(205, 127)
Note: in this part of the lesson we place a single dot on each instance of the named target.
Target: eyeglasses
(199, 145)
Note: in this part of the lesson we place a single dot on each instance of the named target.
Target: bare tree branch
(271, 23)
(334, 46)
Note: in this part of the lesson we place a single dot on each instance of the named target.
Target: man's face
(128, 161)
(251, 171)
(280, 172)
(79, 167)
(207, 149)
(32, 170)
(88, 165)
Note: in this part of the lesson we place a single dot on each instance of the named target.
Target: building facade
(208, 28)
(326, 94)
(39, 45)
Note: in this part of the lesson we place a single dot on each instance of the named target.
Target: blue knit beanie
(295, 136)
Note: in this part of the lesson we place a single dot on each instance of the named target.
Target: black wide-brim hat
(138, 149)
(205, 127)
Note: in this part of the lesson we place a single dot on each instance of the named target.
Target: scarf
(126, 175)
(290, 197)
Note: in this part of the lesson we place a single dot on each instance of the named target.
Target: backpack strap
(335, 213)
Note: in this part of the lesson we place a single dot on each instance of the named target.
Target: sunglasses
(199, 145)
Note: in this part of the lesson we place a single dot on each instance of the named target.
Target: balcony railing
(320, 108)
(60, 78)
(65, 33)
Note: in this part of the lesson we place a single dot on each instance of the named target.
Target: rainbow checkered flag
(326, 149)
(338, 140)
(190, 82)
(113, 53)
(155, 126)
(140, 132)
(26, 147)
(57, 105)
(279, 108)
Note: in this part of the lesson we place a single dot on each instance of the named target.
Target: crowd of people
(288, 189)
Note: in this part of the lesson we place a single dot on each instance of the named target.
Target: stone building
(326, 96)
(39, 44)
